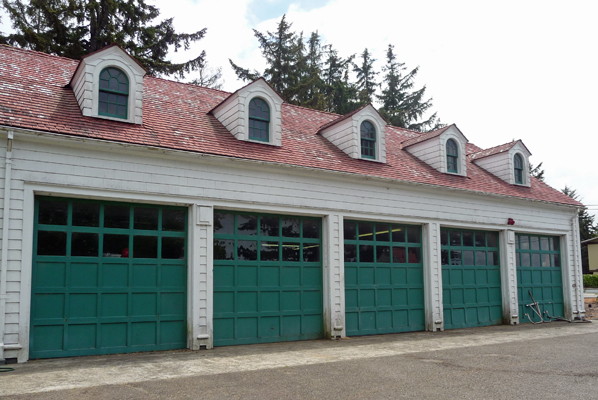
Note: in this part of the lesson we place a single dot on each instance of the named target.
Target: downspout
(4, 253)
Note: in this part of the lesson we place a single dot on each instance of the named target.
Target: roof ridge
(187, 83)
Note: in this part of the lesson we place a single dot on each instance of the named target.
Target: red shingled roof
(496, 150)
(34, 95)
(425, 136)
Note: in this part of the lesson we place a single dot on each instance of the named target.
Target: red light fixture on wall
(511, 221)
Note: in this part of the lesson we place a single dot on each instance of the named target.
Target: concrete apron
(82, 372)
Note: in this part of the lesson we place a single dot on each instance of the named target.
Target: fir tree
(538, 173)
(209, 77)
(587, 227)
(280, 50)
(74, 28)
(339, 94)
(366, 78)
(310, 85)
(401, 105)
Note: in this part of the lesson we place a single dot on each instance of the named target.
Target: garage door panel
(383, 278)
(277, 289)
(107, 296)
(539, 272)
(471, 278)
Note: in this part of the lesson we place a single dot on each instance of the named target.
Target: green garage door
(471, 291)
(267, 278)
(384, 282)
(107, 278)
(539, 270)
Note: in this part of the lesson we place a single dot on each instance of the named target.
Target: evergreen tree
(538, 173)
(209, 77)
(310, 86)
(401, 105)
(280, 50)
(587, 227)
(339, 94)
(74, 28)
(366, 78)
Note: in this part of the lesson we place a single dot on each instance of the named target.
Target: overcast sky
(500, 70)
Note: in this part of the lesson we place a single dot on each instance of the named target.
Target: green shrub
(590, 281)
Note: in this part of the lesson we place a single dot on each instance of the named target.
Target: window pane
(382, 233)
(383, 254)
(525, 260)
(86, 214)
(247, 250)
(173, 248)
(413, 234)
(468, 239)
(524, 242)
(349, 229)
(536, 262)
(270, 251)
(444, 237)
(480, 239)
(556, 243)
(51, 243)
(116, 216)
(534, 243)
(269, 226)
(224, 249)
(556, 260)
(247, 225)
(174, 220)
(53, 212)
(290, 227)
(146, 218)
(224, 224)
(455, 257)
(366, 253)
(455, 238)
(84, 244)
(492, 238)
(480, 258)
(414, 255)
(145, 247)
(518, 260)
(468, 257)
(399, 255)
(546, 260)
(444, 257)
(290, 252)
(311, 252)
(398, 234)
(350, 253)
(366, 231)
(116, 245)
(112, 108)
(493, 258)
(311, 228)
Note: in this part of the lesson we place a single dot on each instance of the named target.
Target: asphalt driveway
(549, 361)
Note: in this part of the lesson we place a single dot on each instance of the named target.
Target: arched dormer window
(114, 93)
(368, 140)
(518, 163)
(259, 120)
(452, 156)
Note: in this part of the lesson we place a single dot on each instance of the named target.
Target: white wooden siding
(429, 152)
(113, 172)
(499, 165)
(343, 136)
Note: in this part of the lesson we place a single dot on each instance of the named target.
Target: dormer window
(452, 156)
(259, 120)
(368, 140)
(518, 162)
(114, 93)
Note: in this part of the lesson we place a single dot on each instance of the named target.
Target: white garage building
(145, 214)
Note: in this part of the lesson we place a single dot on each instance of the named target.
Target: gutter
(4, 253)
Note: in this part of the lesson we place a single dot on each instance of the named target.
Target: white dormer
(442, 149)
(109, 84)
(361, 134)
(253, 113)
(509, 162)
